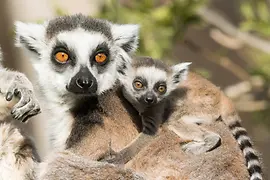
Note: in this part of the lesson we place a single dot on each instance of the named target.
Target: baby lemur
(147, 87)
(147, 84)
(155, 90)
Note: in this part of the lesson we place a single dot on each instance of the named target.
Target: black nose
(149, 99)
(84, 82)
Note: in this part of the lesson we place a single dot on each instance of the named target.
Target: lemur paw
(112, 157)
(209, 143)
(28, 106)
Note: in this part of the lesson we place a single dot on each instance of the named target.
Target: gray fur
(18, 155)
(69, 23)
(68, 166)
(144, 61)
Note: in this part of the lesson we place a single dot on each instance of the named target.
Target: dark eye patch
(62, 47)
(142, 80)
(101, 48)
(160, 83)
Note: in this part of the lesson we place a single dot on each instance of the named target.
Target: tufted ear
(126, 36)
(30, 36)
(124, 67)
(179, 73)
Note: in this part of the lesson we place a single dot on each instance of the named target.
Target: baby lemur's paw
(209, 143)
(112, 157)
(28, 105)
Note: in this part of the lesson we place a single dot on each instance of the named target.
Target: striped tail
(252, 160)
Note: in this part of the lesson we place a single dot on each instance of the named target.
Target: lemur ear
(30, 36)
(179, 72)
(126, 36)
(124, 67)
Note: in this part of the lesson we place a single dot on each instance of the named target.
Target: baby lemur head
(77, 55)
(147, 82)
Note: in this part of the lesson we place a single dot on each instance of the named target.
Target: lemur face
(148, 82)
(149, 90)
(77, 54)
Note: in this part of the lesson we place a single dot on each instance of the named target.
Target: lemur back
(204, 103)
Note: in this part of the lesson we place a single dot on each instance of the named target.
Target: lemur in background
(18, 156)
(148, 85)
(17, 95)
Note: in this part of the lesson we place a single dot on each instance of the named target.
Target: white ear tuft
(126, 36)
(30, 36)
(123, 67)
(180, 72)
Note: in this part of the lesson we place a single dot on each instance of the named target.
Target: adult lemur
(149, 86)
(76, 55)
(18, 156)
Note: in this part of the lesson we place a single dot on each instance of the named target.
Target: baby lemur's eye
(162, 89)
(61, 57)
(100, 58)
(137, 84)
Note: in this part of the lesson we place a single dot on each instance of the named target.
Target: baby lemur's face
(149, 85)
(147, 81)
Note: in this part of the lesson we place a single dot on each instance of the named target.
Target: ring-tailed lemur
(17, 95)
(18, 155)
(86, 124)
(86, 51)
(76, 58)
(148, 85)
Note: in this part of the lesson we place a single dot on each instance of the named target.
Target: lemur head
(77, 54)
(147, 81)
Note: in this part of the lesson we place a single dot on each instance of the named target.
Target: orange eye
(61, 57)
(162, 89)
(100, 58)
(138, 84)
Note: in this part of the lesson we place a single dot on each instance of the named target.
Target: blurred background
(227, 41)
